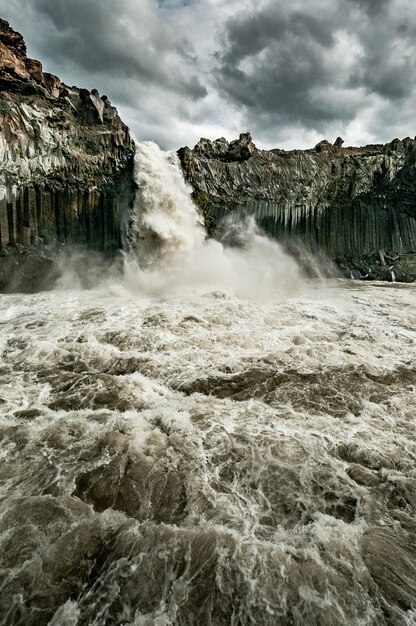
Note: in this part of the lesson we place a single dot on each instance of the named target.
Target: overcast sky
(290, 71)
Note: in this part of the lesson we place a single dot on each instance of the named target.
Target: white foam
(169, 251)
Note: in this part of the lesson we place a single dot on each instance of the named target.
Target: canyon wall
(358, 205)
(66, 160)
(66, 177)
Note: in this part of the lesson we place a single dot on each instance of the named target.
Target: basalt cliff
(356, 205)
(66, 178)
(66, 163)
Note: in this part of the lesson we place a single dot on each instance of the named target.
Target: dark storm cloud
(174, 4)
(110, 39)
(317, 62)
(387, 66)
(134, 43)
(130, 50)
(371, 7)
(249, 34)
(272, 61)
(291, 72)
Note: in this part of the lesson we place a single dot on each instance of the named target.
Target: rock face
(65, 158)
(350, 203)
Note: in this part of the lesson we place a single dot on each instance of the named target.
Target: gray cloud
(315, 63)
(280, 62)
(291, 72)
(371, 7)
(285, 57)
(127, 49)
(133, 43)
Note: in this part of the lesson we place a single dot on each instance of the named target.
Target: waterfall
(168, 248)
(166, 224)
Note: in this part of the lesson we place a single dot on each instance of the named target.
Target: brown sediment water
(208, 440)
(208, 459)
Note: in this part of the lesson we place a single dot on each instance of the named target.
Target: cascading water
(169, 252)
(165, 224)
(238, 450)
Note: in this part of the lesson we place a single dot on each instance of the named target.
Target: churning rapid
(210, 441)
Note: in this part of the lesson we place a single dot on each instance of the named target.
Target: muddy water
(206, 459)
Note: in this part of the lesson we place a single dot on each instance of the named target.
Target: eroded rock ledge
(65, 159)
(358, 205)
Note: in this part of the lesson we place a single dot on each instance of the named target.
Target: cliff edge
(66, 163)
(358, 205)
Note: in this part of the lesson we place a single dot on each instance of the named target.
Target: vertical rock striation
(65, 158)
(348, 202)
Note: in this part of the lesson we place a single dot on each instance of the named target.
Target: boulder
(27, 271)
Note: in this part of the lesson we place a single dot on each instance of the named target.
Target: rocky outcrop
(27, 270)
(350, 203)
(66, 158)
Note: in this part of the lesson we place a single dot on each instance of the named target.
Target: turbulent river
(209, 439)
